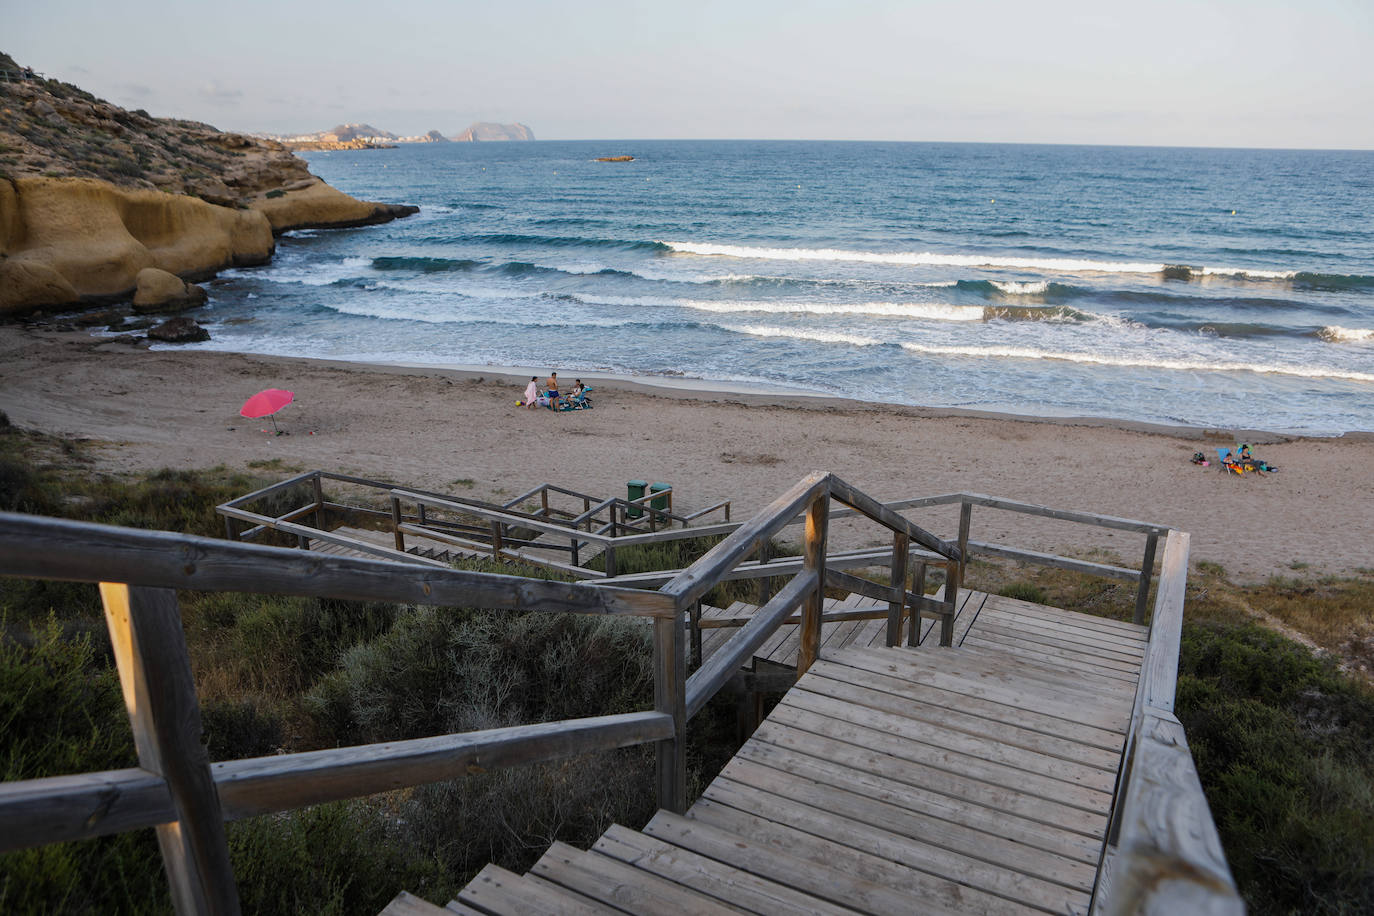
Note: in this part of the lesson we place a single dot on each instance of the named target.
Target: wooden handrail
(1164, 854)
(49, 548)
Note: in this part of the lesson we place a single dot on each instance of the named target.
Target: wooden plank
(266, 784)
(712, 675)
(1091, 622)
(1169, 857)
(160, 696)
(1023, 682)
(971, 607)
(56, 809)
(1075, 634)
(881, 514)
(846, 819)
(407, 904)
(48, 548)
(1046, 648)
(920, 693)
(902, 789)
(701, 576)
(1050, 634)
(1067, 515)
(933, 754)
(934, 780)
(836, 881)
(1166, 625)
(503, 893)
(623, 886)
(934, 730)
(971, 850)
(983, 548)
(718, 879)
(945, 891)
(1046, 664)
(457, 906)
(855, 689)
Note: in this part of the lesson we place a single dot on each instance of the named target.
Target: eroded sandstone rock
(179, 330)
(160, 291)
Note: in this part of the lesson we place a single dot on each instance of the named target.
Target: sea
(1215, 288)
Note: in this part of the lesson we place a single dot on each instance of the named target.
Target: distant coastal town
(365, 136)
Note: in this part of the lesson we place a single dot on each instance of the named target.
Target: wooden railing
(187, 798)
(1163, 852)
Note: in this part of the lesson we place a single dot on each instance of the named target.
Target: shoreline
(457, 429)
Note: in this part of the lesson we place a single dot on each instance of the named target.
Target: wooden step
(500, 892)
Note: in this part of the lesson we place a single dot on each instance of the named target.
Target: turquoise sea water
(1182, 286)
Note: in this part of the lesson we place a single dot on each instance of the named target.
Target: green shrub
(1024, 591)
(275, 193)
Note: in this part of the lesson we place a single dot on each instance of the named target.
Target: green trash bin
(660, 502)
(636, 488)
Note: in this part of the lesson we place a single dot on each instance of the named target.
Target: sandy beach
(440, 428)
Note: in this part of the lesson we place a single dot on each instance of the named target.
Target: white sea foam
(932, 311)
(1022, 288)
(756, 330)
(1249, 273)
(918, 259)
(1180, 365)
(1336, 334)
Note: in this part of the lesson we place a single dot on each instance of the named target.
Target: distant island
(365, 136)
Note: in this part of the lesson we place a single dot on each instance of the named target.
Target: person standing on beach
(552, 393)
(532, 391)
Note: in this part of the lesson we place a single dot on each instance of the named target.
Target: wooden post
(396, 523)
(1147, 571)
(319, 502)
(424, 519)
(231, 531)
(160, 694)
(497, 541)
(609, 553)
(766, 583)
(918, 585)
(901, 550)
(574, 551)
(951, 596)
(696, 633)
(670, 696)
(965, 523)
(544, 501)
(817, 523)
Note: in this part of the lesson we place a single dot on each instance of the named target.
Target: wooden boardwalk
(972, 779)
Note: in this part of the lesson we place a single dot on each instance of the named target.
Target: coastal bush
(1024, 591)
(679, 555)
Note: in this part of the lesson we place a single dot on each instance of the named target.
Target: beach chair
(577, 401)
(1227, 463)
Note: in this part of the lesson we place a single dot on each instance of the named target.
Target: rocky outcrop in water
(485, 131)
(92, 194)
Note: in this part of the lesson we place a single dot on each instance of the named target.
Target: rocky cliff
(91, 194)
(485, 131)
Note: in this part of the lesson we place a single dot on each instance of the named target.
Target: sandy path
(426, 427)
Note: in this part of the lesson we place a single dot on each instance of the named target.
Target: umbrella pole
(274, 424)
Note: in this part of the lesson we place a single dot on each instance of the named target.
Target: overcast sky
(1264, 73)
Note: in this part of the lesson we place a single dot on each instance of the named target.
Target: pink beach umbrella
(265, 403)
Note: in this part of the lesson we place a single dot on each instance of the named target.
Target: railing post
(609, 554)
(319, 501)
(918, 586)
(901, 550)
(497, 539)
(951, 599)
(817, 524)
(965, 523)
(1147, 571)
(396, 524)
(544, 501)
(696, 633)
(670, 696)
(160, 693)
(231, 531)
(766, 583)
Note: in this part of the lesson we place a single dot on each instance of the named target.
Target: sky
(1248, 73)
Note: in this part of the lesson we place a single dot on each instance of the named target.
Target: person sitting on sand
(577, 388)
(531, 393)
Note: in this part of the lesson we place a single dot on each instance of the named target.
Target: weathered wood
(881, 514)
(274, 488)
(982, 548)
(817, 526)
(47, 548)
(712, 675)
(396, 526)
(965, 524)
(1066, 515)
(498, 891)
(766, 583)
(1160, 674)
(1169, 857)
(918, 587)
(901, 550)
(37, 812)
(407, 904)
(278, 783)
(318, 487)
(160, 695)
(670, 699)
(1147, 569)
(620, 885)
(701, 576)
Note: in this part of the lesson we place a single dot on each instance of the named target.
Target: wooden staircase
(977, 779)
